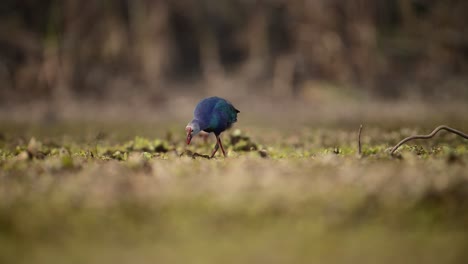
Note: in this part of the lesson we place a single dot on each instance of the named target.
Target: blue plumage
(213, 114)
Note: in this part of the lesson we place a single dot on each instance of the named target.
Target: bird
(212, 115)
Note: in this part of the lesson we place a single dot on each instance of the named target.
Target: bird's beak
(189, 137)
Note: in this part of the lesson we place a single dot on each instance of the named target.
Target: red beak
(189, 134)
(189, 138)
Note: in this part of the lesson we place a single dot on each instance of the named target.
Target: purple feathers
(212, 114)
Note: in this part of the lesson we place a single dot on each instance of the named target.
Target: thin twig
(359, 140)
(432, 134)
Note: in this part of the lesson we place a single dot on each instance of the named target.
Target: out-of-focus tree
(65, 50)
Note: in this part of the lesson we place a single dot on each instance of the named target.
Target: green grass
(135, 194)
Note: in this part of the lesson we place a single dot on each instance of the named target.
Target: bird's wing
(227, 112)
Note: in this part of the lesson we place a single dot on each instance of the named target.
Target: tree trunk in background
(257, 43)
(210, 62)
(362, 52)
(149, 22)
(67, 51)
(407, 16)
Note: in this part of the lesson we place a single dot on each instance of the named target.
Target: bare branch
(432, 134)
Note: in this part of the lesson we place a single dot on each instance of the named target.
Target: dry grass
(107, 197)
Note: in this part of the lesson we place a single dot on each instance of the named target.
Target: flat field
(120, 193)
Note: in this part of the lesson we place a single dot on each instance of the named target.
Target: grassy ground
(92, 193)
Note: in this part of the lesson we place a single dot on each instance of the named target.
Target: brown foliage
(66, 49)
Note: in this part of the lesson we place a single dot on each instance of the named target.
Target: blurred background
(70, 56)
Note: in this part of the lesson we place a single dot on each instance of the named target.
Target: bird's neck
(196, 125)
(197, 122)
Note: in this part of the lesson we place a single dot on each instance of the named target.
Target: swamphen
(212, 114)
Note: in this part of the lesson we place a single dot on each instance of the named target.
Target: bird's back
(215, 114)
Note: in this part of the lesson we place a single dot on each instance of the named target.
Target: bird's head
(191, 129)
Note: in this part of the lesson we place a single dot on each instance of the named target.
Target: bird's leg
(215, 150)
(221, 144)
